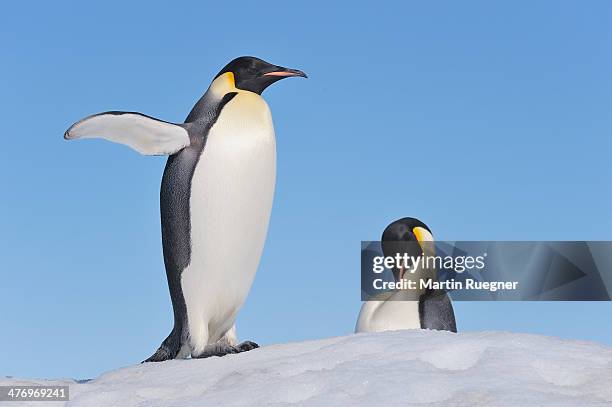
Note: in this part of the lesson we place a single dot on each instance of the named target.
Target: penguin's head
(407, 236)
(255, 75)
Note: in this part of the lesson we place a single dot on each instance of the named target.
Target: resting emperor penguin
(216, 197)
(408, 309)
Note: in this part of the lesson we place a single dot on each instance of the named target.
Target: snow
(401, 368)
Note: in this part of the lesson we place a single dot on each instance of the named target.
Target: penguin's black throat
(255, 75)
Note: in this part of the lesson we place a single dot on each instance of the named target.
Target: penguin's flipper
(436, 311)
(145, 134)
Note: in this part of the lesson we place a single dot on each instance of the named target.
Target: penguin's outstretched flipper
(145, 134)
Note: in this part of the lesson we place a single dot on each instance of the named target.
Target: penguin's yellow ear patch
(423, 235)
(223, 84)
(231, 79)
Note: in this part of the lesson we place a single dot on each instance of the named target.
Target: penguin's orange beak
(286, 72)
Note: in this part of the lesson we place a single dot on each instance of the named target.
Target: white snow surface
(401, 368)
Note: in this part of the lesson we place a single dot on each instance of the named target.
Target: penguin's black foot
(160, 355)
(216, 349)
(222, 349)
(168, 349)
(247, 346)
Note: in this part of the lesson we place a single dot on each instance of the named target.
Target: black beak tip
(297, 72)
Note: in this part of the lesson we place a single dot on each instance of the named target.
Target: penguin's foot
(169, 348)
(247, 346)
(222, 349)
(160, 355)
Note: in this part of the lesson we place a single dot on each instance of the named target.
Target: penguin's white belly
(376, 316)
(231, 198)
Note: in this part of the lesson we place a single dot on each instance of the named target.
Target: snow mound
(401, 368)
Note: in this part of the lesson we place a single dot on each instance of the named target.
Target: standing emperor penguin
(408, 309)
(216, 197)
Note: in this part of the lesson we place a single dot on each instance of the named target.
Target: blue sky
(486, 121)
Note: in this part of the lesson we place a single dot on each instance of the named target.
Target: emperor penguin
(408, 309)
(215, 200)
